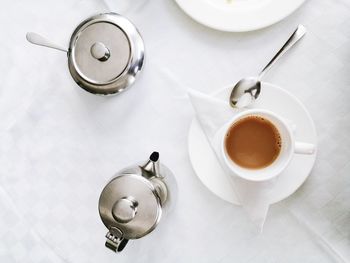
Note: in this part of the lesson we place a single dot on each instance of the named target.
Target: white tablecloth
(313, 225)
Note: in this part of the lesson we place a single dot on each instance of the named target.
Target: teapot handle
(114, 242)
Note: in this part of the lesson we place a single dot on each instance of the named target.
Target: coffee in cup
(257, 145)
(253, 142)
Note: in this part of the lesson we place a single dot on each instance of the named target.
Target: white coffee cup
(289, 147)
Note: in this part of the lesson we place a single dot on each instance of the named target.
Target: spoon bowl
(251, 85)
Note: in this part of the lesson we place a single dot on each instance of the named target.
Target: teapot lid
(129, 205)
(105, 54)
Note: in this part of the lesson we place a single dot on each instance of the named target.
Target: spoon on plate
(248, 89)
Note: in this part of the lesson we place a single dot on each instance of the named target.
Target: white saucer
(238, 15)
(273, 98)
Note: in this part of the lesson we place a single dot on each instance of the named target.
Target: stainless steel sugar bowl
(105, 54)
(133, 202)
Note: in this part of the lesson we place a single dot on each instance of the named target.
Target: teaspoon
(39, 40)
(252, 85)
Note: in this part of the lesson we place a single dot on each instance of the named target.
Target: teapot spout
(151, 167)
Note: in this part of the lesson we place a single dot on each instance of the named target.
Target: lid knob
(124, 210)
(100, 51)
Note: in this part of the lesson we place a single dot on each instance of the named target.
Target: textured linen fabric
(19, 242)
(59, 145)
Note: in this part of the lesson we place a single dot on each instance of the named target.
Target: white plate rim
(215, 19)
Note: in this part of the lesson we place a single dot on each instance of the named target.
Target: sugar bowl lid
(105, 54)
(129, 205)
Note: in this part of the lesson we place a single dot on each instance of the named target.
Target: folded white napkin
(213, 114)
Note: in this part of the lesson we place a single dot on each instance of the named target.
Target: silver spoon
(252, 85)
(98, 50)
(39, 40)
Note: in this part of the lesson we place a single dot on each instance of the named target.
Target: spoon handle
(39, 40)
(294, 38)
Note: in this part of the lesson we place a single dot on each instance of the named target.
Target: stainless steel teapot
(133, 202)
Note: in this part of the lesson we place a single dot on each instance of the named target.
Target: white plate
(238, 15)
(273, 98)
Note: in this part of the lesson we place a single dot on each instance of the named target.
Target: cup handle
(304, 148)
